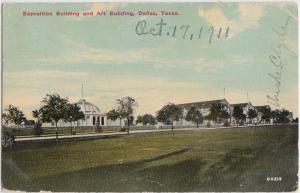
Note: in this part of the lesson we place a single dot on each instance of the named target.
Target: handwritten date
(184, 31)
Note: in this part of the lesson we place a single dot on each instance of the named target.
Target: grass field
(237, 159)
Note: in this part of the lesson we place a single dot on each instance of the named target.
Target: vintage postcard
(150, 97)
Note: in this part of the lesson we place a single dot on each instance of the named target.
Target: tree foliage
(194, 115)
(125, 109)
(296, 120)
(54, 108)
(251, 114)
(73, 113)
(146, 119)
(217, 113)
(126, 106)
(13, 115)
(238, 114)
(281, 116)
(266, 114)
(113, 115)
(169, 112)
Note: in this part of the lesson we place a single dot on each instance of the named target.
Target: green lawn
(237, 159)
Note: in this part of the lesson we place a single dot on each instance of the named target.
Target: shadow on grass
(243, 168)
(247, 169)
(164, 156)
(119, 177)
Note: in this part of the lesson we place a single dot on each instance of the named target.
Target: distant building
(204, 107)
(245, 107)
(92, 115)
(260, 110)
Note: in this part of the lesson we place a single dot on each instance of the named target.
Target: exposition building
(205, 106)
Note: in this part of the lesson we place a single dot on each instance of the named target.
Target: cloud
(82, 53)
(106, 6)
(249, 17)
(26, 89)
(103, 89)
(201, 63)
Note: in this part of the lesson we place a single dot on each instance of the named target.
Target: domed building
(92, 114)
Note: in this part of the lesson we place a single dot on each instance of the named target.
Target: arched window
(94, 120)
(102, 120)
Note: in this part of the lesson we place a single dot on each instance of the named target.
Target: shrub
(208, 125)
(8, 139)
(98, 128)
(123, 129)
(226, 124)
(37, 128)
(241, 123)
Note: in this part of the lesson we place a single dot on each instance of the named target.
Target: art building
(92, 114)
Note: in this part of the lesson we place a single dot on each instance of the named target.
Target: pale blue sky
(57, 54)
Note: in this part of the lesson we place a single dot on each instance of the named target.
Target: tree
(73, 113)
(217, 113)
(15, 116)
(37, 128)
(146, 119)
(169, 112)
(281, 116)
(4, 120)
(266, 114)
(295, 120)
(29, 123)
(114, 115)
(238, 114)
(54, 109)
(225, 114)
(131, 120)
(252, 114)
(126, 107)
(194, 115)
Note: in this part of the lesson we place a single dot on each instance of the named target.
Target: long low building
(205, 106)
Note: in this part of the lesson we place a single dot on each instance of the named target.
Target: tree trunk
(128, 126)
(77, 123)
(172, 127)
(56, 131)
(17, 130)
(197, 124)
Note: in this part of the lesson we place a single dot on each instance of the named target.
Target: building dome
(88, 108)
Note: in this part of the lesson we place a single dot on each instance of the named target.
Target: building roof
(202, 104)
(87, 107)
(260, 108)
(242, 105)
